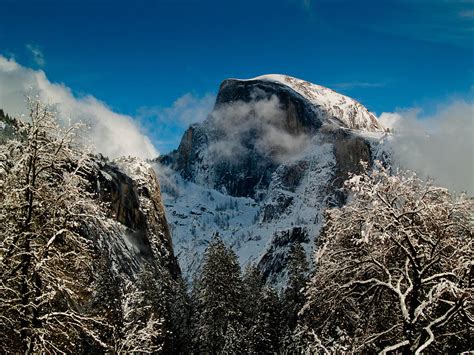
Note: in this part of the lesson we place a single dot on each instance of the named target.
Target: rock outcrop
(130, 190)
(263, 167)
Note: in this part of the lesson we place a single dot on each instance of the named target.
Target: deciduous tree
(394, 269)
(45, 261)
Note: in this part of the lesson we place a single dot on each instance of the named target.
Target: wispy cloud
(167, 124)
(466, 14)
(37, 54)
(358, 84)
(111, 133)
(438, 21)
(184, 111)
(439, 145)
(239, 122)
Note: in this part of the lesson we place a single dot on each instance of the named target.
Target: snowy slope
(135, 231)
(340, 109)
(195, 212)
(261, 203)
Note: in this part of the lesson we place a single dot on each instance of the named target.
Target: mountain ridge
(354, 114)
(261, 169)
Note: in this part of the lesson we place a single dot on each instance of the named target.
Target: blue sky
(140, 56)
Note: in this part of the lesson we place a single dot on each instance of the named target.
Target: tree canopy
(394, 269)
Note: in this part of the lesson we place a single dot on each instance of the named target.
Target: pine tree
(106, 302)
(235, 341)
(180, 318)
(293, 298)
(217, 293)
(266, 334)
(168, 298)
(253, 284)
(142, 327)
(261, 306)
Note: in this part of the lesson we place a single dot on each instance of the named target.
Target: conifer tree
(253, 284)
(180, 317)
(293, 299)
(267, 323)
(235, 341)
(142, 328)
(167, 297)
(261, 306)
(218, 294)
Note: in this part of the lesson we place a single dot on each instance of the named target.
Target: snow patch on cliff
(339, 109)
(195, 212)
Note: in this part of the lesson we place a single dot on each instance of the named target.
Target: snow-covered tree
(261, 309)
(293, 296)
(167, 298)
(217, 298)
(394, 269)
(266, 331)
(234, 340)
(142, 329)
(253, 284)
(179, 317)
(45, 262)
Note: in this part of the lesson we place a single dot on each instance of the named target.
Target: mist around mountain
(279, 225)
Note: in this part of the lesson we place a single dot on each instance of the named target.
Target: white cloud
(186, 110)
(111, 133)
(37, 54)
(239, 123)
(166, 125)
(440, 145)
(358, 84)
(389, 119)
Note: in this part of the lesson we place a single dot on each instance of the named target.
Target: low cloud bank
(111, 133)
(258, 124)
(439, 146)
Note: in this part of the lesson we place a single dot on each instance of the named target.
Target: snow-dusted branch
(394, 257)
(44, 260)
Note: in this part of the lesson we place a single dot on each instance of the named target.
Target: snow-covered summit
(262, 168)
(339, 109)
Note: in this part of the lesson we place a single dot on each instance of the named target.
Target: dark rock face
(122, 194)
(244, 177)
(291, 175)
(125, 198)
(291, 191)
(349, 151)
(251, 171)
(300, 117)
(273, 263)
(186, 157)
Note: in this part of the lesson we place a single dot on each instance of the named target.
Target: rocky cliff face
(261, 169)
(118, 213)
(137, 231)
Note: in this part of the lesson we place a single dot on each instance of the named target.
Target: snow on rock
(261, 170)
(340, 109)
(259, 231)
(136, 230)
